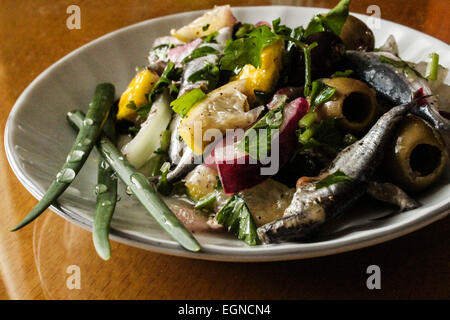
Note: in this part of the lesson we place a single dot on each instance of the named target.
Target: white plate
(37, 139)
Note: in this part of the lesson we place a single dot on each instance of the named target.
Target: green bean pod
(90, 130)
(144, 191)
(106, 191)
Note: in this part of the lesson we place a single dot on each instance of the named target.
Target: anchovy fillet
(311, 207)
(179, 153)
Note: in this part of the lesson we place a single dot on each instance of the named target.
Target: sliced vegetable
(135, 96)
(91, 128)
(237, 171)
(215, 19)
(266, 76)
(142, 189)
(139, 150)
(183, 104)
(236, 216)
(433, 67)
(226, 107)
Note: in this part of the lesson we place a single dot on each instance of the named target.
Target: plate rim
(216, 252)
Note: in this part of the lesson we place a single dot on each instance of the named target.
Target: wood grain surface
(34, 261)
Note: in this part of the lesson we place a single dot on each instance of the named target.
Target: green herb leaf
(164, 186)
(209, 73)
(336, 17)
(406, 68)
(218, 185)
(200, 52)
(334, 178)
(131, 105)
(205, 27)
(254, 142)
(333, 21)
(342, 74)
(183, 104)
(244, 30)
(236, 216)
(169, 75)
(206, 202)
(247, 50)
(211, 38)
(320, 93)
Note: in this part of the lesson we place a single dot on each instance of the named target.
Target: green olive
(356, 35)
(417, 157)
(353, 103)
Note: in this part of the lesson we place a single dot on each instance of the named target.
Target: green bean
(90, 131)
(143, 190)
(106, 191)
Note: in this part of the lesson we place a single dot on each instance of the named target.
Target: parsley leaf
(236, 216)
(336, 177)
(183, 104)
(209, 73)
(206, 202)
(200, 52)
(320, 93)
(170, 74)
(205, 27)
(247, 50)
(211, 38)
(333, 21)
(254, 143)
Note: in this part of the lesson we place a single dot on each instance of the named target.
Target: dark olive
(356, 35)
(326, 58)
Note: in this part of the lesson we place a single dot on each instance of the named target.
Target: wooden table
(34, 261)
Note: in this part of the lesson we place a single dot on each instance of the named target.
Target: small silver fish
(311, 207)
(397, 82)
(179, 153)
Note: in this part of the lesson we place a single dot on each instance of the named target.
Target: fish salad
(269, 131)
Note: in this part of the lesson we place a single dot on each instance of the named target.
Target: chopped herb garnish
(211, 38)
(183, 104)
(433, 67)
(161, 154)
(131, 105)
(209, 73)
(333, 21)
(320, 93)
(255, 143)
(200, 52)
(206, 202)
(164, 186)
(407, 70)
(205, 27)
(342, 74)
(170, 74)
(236, 216)
(334, 178)
(218, 185)
(247, 50)
(244, 30)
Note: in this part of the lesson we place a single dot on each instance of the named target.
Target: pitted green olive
(353, 103)
(418, 155)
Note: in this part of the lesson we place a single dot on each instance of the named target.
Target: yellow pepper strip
(139, 87)
(265, 77)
